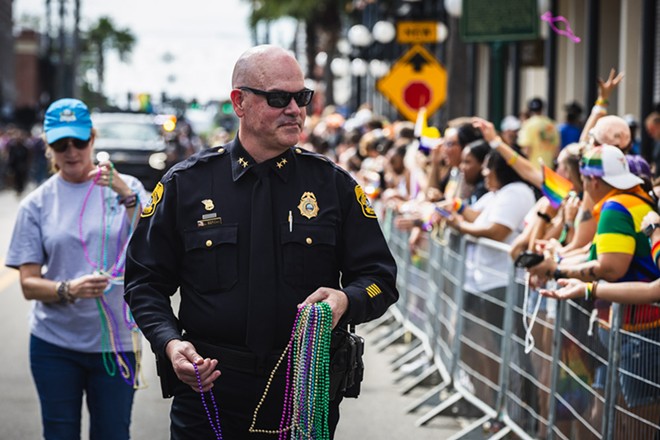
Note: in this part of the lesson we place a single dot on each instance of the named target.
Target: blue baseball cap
(67, 117)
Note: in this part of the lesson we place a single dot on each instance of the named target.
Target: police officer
(249, 232)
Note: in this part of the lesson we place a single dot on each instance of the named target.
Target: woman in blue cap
(69, 244)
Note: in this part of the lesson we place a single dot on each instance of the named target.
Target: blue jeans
(62, 375)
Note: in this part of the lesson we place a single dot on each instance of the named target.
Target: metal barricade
(533, 367)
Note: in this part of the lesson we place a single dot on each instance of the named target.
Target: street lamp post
(364, 66)
(359, 37)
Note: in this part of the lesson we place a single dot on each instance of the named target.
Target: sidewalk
(379, 412)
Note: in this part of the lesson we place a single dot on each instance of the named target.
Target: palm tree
(103, 37)
(322, 21)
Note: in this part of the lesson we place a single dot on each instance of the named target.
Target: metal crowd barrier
(534, 368)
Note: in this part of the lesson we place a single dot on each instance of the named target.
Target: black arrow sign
(417, 61)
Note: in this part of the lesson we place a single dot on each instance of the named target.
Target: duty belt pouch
(168, 379)
(346, 365)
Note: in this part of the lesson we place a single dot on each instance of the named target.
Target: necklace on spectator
(111, 345)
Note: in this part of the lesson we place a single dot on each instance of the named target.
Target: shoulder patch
(364, 202)
(156, 197)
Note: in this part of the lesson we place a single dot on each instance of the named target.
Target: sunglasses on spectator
(60, 145)
(282, 99)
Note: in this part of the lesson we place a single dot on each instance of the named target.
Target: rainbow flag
(429, 137)
(555, 187)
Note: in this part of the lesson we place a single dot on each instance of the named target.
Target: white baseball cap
(610, 164)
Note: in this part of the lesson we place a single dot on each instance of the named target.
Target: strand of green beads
(318, 422)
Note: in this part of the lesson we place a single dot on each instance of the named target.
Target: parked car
(134, 143)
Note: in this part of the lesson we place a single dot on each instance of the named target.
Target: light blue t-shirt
(74, 229)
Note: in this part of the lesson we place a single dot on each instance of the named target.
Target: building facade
(7, 87)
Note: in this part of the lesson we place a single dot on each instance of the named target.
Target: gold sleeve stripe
(373, 290)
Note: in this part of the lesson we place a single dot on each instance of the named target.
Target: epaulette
(306, 153)
(302, 152)
(199, 157)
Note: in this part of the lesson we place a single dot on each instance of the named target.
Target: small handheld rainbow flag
(555, 187)
(429, 137)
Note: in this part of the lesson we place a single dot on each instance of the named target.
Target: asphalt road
(377, 414)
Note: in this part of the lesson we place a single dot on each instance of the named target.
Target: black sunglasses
(282, 99)
(60, 145)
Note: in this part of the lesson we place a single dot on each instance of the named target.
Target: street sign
(416, 80)
(486, 21)
(415, 32)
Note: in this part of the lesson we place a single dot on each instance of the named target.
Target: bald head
(612, 130)
(257, 64)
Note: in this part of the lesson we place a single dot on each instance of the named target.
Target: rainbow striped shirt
(619, 217)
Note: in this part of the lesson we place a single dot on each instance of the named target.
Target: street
(377, 414)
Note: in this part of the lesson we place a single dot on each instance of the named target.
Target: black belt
(242, 361)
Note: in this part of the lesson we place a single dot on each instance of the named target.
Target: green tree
(321, 18)
(102, 37)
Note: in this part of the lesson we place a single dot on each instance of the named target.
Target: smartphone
(443, 212)
(528, 259)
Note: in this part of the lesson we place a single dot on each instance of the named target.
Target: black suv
(134, 143)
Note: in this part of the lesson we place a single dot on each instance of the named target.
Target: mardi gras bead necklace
(215, 422)
(307, 381)
(307, 387)
(111, 345)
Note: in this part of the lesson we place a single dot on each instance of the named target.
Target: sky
(204, 38)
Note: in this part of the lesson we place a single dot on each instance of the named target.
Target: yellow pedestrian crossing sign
(416, 80)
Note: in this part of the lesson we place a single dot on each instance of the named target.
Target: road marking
(7, 275)
(7, 279)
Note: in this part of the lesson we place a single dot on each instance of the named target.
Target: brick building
(7, 88)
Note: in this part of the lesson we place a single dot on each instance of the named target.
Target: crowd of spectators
(22, 158)
(493, 183)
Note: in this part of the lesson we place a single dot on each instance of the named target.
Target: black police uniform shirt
(195, 234)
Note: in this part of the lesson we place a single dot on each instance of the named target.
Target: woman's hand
(407, 222)
(570, 209)
(605, 88)
(455, 221)
(88, 286)
(650, 218)
(570, 289)
(486, 127)
(108, 176)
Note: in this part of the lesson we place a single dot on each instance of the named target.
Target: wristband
(655, 252)
(602, 102)
(510, 161)
(495, 142)
(598, 109)
(129, 201)
(458, 206)
(588, 291)
(558, 274)
(62, 290)
(544, 216)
